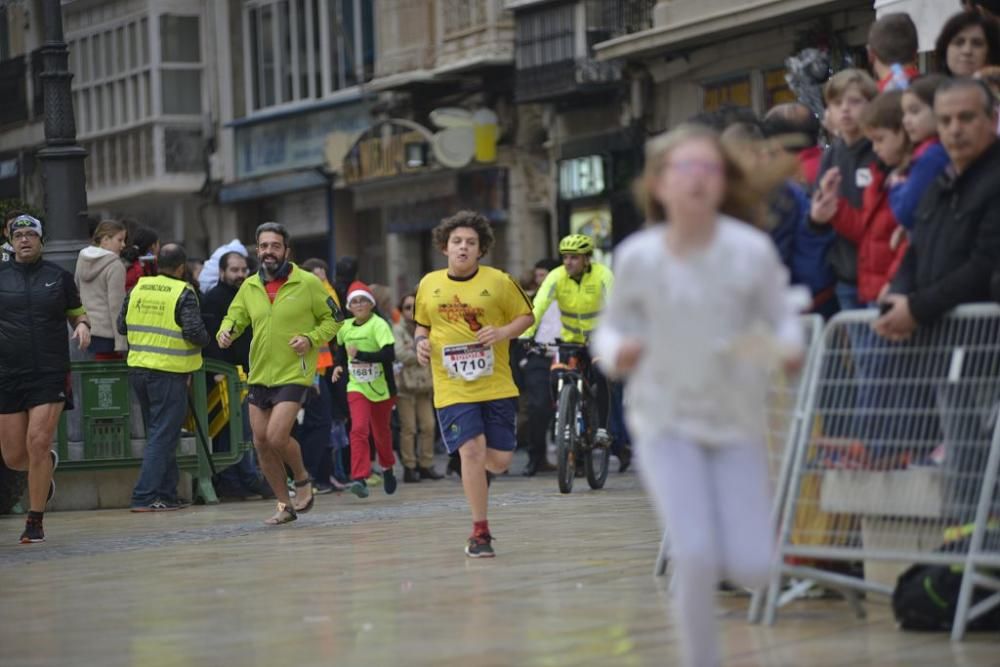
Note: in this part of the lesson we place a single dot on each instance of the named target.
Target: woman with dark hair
(140, 255)
(967, 43)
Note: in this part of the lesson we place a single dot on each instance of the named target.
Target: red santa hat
(359, 289)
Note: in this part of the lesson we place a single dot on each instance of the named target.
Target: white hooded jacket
(100, 277)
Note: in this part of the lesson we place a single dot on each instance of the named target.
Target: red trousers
(374, 418)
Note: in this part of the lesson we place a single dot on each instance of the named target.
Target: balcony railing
(561, 79)
(621, 17)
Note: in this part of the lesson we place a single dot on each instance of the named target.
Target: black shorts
(266, 398)
(24, 394)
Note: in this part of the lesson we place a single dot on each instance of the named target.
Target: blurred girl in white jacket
(699, 312)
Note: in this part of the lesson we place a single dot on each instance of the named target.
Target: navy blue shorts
(497, 420)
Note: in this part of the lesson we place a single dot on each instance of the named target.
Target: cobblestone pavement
(383, 581)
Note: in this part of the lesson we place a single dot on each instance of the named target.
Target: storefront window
(730, 92)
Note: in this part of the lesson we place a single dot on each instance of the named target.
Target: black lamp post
(62, 158)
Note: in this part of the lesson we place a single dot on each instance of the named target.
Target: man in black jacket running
(37, 298)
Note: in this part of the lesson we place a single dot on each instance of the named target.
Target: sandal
(312, 496)
(285, 514)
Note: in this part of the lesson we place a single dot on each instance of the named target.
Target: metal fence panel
(896, 454)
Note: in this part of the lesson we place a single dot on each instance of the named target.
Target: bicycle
(578, 434)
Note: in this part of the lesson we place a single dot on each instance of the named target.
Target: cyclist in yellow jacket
(580, 286)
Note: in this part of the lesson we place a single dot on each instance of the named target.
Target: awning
(269, 186)
(929, 15)
(714, 25)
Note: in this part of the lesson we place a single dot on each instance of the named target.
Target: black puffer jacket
(955, 247)
(35, 300)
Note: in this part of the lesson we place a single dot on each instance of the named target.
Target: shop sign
(581, 177)
(385, 156)
(295, 142)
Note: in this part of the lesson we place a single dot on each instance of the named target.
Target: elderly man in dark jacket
(952, 256)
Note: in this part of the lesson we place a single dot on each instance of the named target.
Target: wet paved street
(383, 581)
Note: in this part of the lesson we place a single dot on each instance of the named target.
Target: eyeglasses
(18, 236)
(407, 306)
(696, 167)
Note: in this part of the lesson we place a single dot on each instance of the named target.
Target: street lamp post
(62, 158)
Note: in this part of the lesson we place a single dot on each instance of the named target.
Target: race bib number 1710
(468, 361)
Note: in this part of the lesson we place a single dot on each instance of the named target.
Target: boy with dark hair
(892, 41)
(465, 316)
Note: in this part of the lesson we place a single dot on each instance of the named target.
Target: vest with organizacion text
(155, 339)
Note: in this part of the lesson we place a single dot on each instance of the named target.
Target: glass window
(181, 91)
(121, 55)
(180, 39)
(265, 56)
(83, 60)
(143, 42)
(99, 116)
(110, 67)
(285, 46)
(286, 62)
(133, 46)
(97, 54)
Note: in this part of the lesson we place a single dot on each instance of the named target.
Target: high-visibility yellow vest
(155, 339)
(580, 302)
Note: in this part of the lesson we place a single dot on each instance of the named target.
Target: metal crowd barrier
(784, 421)
(104, 409)
(896, 450)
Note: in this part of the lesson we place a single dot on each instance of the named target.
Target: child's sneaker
(359, 488)
(389, 480)
(479, 546)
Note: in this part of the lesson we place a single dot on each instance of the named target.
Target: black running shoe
(479, 546)
(389, 481)
(32, 531)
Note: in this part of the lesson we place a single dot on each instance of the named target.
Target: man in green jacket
(292, 318)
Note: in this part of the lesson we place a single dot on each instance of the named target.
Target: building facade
(143, 81)
(299, 74)
(702, 54)
(592, 111)
(446, 135)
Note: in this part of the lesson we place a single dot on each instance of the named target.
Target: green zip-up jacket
(301, 307)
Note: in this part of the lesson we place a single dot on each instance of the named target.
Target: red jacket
(871, 228)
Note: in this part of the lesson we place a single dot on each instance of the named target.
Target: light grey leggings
(716, 505)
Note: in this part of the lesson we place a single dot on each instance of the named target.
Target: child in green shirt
(366, 347)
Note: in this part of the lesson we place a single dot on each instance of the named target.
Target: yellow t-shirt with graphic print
(454, 309)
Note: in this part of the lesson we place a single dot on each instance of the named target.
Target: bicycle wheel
(566, 436)
(597, 462)
(597, 457)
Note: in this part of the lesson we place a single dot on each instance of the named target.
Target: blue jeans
(847, 296)
(163, 400)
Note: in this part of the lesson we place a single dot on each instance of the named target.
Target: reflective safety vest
(580, 302)
(155, 339)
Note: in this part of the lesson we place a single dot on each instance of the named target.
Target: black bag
(926, 598)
